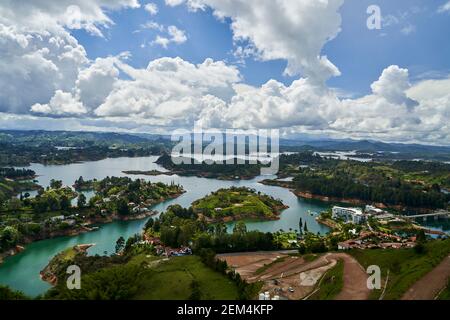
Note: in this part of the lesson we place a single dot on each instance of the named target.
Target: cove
(21, 272)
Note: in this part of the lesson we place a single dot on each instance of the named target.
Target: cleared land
(296, 277)
(429, 287)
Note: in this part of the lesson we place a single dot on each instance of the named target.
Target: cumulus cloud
(34, 65)
(294, 33)
(39, 57)
(62, 103)
(52, 16)
(169, 90)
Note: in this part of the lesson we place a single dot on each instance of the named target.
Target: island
(236, 204)
(189, 167)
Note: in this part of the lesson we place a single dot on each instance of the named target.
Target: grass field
(331, 284)
(147, 277)
(445, 295)
(405, 266)
(172, 280)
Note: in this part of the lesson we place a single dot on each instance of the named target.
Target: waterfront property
(353, 215)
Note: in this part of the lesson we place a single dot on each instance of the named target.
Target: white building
(354, 215)
(373, 210)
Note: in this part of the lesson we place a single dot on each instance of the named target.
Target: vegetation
(182, 227)
(331, 283)
(8, 294)
(408, 184)
(238, 204)
(405, 266)
(151, 278)
(51, 212)
(210, 170)
(445, 294)
(20, 148)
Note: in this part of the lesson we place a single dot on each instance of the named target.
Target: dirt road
(355, 279)
(431, 284)
(295, 272)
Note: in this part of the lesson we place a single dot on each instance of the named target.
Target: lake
(21, 272)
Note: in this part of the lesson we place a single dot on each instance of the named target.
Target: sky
(306, 67)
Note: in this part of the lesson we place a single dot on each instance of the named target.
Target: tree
(305, 228)
(55, 184)
(240, 228)
(221, 229)
(300, 224)
(149, 224)
(81, 201)
(122, 208)
(9, 237)
(14, 204)
(65, 203)
(120, 244)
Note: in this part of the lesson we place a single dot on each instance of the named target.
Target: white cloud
(39, 57)
(174, 35)
(169, 90)
(444, 8)
(407, 30)
(36, 64)
(62, 103)
(294, 33)
(37, 53)
(52, 16)
(151, 8)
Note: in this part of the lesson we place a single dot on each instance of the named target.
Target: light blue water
(21, 272)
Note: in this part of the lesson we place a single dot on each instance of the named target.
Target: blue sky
(360, 54)
(305, 67)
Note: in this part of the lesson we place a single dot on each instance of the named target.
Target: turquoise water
(21, 272)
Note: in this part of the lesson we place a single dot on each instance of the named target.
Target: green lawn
(331, 283)
(406, 266)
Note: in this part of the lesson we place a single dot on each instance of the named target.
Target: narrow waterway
(21, 272)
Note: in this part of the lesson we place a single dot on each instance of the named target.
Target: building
(373, 210)
(353, 215)
(57, 218)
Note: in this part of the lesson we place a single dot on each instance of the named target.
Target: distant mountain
(365, 146)
(293, 144)
(41, 136)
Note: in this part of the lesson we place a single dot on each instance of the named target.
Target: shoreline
(88, 227)
(331, 199)
(206, 175)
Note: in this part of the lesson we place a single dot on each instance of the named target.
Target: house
(354, 215)
(71, 222)
(57, 218)
(344, 245)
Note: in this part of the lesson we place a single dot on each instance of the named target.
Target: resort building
(373, 210)
(353, 215)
